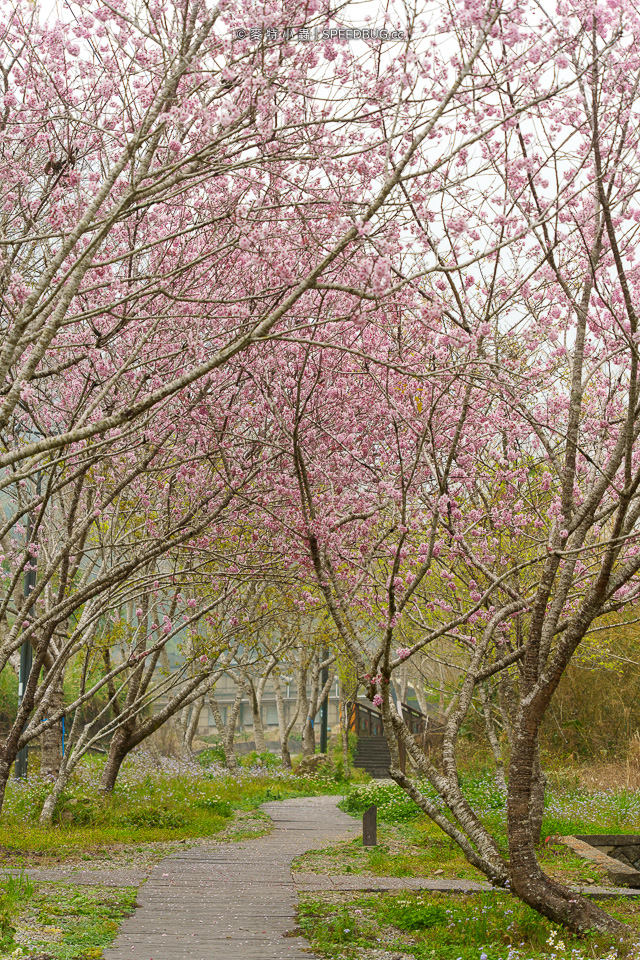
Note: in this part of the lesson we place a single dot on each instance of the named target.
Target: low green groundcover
(434, 926)
(60, 921)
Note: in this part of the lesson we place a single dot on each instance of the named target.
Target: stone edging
(618, 872)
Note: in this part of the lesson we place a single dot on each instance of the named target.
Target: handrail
(366, 721)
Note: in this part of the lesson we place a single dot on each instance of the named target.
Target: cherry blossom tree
(141, 698)
(405, 287)
(468, 472)
(165, 210)
(111, 541)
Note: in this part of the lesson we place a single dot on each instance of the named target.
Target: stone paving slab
(617, 871)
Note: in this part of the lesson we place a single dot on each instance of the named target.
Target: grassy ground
(430, 926)
(410, 845)
(155, 807)
(55, 921)
(493, 926)
(419, 849)
(151, 809)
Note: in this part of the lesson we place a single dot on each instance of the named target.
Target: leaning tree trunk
(528, 881)
(49, 805)
(76, 748)
(118, 750)
(9, 749)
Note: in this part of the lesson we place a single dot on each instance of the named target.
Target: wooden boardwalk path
(231, 901)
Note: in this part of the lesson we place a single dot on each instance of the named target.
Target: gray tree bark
(51, 740)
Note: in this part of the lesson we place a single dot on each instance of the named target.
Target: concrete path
(85, 876)
(317, 883)
(232, 901)
(303, 882)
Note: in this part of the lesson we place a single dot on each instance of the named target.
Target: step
(378, 773)
(371, 764)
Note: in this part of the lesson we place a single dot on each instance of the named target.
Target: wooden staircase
(372, 752)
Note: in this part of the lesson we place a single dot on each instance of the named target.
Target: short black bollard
(369, 826)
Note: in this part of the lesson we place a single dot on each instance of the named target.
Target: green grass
(14, 892)
(416, 849)
(431, 926)
(147, 806)
(410, 845)
(68, 922)
(567, 809)
(59, 921)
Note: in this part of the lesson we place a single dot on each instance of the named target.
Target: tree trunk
(118, 750)
(51, 741)
(258, 726)
(283, 732)
(492, 737)
(401, 685)
(49, 805)
(185, 714)
(227, 734)
(75, 750)
(536, 807)
(308, 738)
(344, 733)
(420, 697)
(528, 881)
(5, 771)
(192, 725)
(309, 733)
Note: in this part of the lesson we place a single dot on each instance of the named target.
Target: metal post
(324, 709)
(26, 660)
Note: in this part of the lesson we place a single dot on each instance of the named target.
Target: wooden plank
(231, 901)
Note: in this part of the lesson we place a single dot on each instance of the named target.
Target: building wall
(225, 693)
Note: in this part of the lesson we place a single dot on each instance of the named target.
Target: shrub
(211, 755)
(414, 914)
(81, 811)
(266, 759)
(154, 817)
(392, 802)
